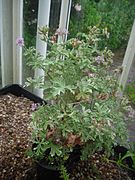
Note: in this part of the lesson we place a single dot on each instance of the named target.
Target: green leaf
(59, 87)
(55, 150)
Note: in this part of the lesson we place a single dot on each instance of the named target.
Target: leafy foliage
(64, 174)
(130, 91)
(114, 16)
(130, 154)
(30, 22)
(83, 108)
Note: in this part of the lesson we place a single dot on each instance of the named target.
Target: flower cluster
(61, 32)
(78, 7)
(99, 59)
(34, 106)
(20, 42)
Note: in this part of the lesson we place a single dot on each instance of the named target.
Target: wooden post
(128, 58)
(17, 32)
(64, 17)
(41, 47)
(6, 41)
(0, 38)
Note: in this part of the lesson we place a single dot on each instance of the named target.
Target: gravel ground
(98, 168)
(15, 136)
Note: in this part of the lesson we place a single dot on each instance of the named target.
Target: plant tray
(18, 90)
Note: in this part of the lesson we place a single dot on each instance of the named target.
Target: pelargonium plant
(83, 108)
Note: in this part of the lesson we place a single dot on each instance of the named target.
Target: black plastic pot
(18, 90)
(120, 151)
(49, 172)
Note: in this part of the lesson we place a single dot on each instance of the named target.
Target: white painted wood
(128, 58)
(0, 36)
(64, 17)
(17, 32)
(41, 47)
(6, 41)
(0, 27)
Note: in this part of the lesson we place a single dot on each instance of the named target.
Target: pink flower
(78, 7)
(61, 32)
(99, 59)
(34, 107)
(88, 73)
(129, 80)
(20, 41)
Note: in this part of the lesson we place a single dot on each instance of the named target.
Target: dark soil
(15, 136)
(118, 57)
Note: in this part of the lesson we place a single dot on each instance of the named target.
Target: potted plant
(83, 108)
